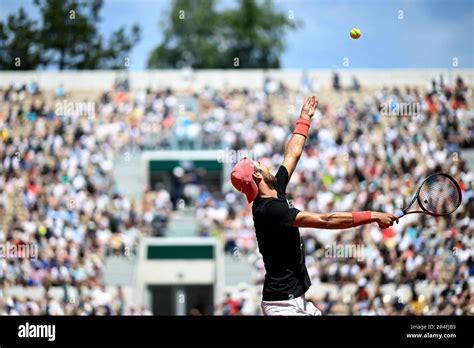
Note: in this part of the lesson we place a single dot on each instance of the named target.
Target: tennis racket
(438, 195)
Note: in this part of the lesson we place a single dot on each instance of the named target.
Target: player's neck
(266, 192)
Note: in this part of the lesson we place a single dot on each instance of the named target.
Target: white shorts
(295, 306)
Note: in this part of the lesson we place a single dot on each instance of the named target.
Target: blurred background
(120, 122)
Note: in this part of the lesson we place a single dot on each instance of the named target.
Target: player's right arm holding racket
(438, 195)
(341, 220)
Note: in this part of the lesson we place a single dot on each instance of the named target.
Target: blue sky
(430, 34)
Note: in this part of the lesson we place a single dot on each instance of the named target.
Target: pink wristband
(302, 127)
(361, 218)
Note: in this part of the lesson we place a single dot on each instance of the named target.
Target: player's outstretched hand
(384, 220)
(309, 107)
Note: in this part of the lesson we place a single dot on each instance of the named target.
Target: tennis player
(276, 224)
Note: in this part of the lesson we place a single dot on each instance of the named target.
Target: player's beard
(270, 180)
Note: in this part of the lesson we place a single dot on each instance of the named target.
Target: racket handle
(399, 214)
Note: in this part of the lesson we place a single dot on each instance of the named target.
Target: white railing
(233, 78)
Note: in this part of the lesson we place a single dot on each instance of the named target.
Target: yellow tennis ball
(355, 33)
(42, 231)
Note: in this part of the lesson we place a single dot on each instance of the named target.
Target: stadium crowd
(367, 150)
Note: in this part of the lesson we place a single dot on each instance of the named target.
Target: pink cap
(242, 179)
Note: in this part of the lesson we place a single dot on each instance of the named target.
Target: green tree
(196, 34)
(18, 43)
(189, 36)
(71, 39)
(67, 38)
(255, 34)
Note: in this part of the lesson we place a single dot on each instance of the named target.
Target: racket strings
(439, 195)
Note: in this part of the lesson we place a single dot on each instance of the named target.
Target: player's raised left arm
(295, 146)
